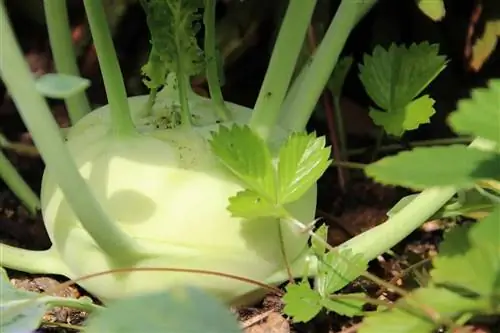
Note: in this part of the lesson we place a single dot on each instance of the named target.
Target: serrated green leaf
(434, 9)
(302, 161)
(319, 247)
(338, 269)
(479, 115)
(345, 306)
(173, 29)
(61, 86)
(436, 166)
(414, 114)
(394, 77)
(339, 74)
(247, 156)
(469, 260)
(181, 310)
(249, 205)
(301, 302)
(407, 318)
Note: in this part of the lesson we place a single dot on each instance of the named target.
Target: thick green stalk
(212, 71)
(17, 184)
(383, 237)
(61, 44)
(73, 303)
(34, 262)
(183, 86)
(281, 66)
(308, 87)
(33, 108)
(113, 80)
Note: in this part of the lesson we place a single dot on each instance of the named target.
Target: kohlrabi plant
(172, 179)
(171, 189)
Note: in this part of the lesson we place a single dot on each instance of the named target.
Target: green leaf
(302, 161)
(60, 86)
(436, 166)
(20, 310)
(339, 74)
(154, 71)
(345, 305)
(21, 316)
(394, 77)
(410, 117)
(319, 247)
(247, 156)
(301, 302)
(469, 260)
(249, 205)
(173, 38)
(338, 269)
(181, 310)
(480, 115)
(434, 9)
(406, 317)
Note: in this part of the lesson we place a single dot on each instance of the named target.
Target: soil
(348, 211)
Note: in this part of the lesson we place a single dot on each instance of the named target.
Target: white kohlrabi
(167, 190)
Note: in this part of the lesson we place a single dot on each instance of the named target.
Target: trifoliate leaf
(406, 317)
(434, 9)
(339, 74)
(480, 115)
(181, 310)
(346, 305)
(469, 260)
(247, 156)
(338, 269)
(302, 161)
(436, 166)
(394, 77)
(249, 205)
(410, 117)
(61, 86)
(301, 302)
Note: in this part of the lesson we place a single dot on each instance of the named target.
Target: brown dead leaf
(485, 45)
(273, 323)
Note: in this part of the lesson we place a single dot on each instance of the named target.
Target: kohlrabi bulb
(166, 189)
